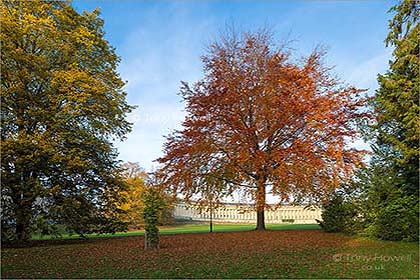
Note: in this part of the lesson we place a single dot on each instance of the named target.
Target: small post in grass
(211, 215)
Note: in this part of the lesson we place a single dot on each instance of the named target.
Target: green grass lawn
(296, 251)
(191, 228)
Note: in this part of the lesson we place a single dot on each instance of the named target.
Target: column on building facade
(234, 213)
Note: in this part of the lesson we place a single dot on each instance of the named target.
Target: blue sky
(160, 44)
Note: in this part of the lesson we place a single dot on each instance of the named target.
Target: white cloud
(365, 74)
(145, 142)
(156, 58)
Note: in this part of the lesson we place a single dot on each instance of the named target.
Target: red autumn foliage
(260, 119)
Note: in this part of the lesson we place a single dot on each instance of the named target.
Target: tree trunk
(21, 234)
(22, 224)
(151, 239)
(211, 216)
(260, 203)
(260, 219)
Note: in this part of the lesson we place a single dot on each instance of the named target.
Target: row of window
(233, 214)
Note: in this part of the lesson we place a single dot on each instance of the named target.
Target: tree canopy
(62, 104)
(260, 120)
(383, 200)
(396, 104)
(391, 184)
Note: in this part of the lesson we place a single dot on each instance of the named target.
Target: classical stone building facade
(237, 213)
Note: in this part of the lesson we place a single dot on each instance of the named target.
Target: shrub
(339, 216)
(153, 206)
(398, 220)
(43, 226)
(7, 232)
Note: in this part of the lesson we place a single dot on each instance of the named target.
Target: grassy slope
(245, 254)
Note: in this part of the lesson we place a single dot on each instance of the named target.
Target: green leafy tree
(62, 104)
(388, 212)
(344, 209)
(338, 215)
(396, 103)
(391, 182)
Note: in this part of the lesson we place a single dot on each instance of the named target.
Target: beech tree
(262, 121)
(62, 104)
